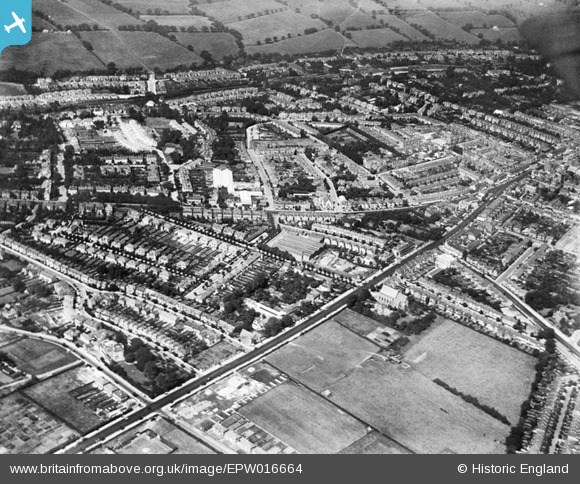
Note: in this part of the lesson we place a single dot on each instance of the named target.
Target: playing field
(49, 52)
(303, 420)
(218, 44)
(53, 395)
(415, 412)
(11, 89)
(323, 356)
(356, 322)
(38, 357)
(496, 374)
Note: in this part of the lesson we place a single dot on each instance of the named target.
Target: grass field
(323, 356)
(496, 374)
(415, 412)
(375, 443)
(28, 429)
(477, 19)
(102, 14)
(61, 13)
(337, 11)
(138, 48)
(234, 10)
(398, 25)
(356, 322)
(441, 29)
(507, 35)
(376, 38)
(218, 44)
(53, 395)
(326, 40)
(278, 25)
(11, 89)
(46, 53)
(37, 357)
(303, 420)
(142, 6)
(359, 20)
(179, 20)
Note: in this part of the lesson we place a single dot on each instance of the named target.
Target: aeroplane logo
(18, 22)
(16, 18)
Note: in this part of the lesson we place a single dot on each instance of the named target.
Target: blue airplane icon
(18, 22)
(16, 18)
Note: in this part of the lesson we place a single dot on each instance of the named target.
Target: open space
(303, 420)
(38, 357)
(496, 374)
(323, 356)
(323, 41)
(218, 44)
(146, 6)
(415, 412)
(53, 395)
(375, 443)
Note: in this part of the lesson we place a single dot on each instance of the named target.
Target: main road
(85, 443)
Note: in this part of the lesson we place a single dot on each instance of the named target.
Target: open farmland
(303, 420)
(218, 44)
(376, 38)
(336, 11)
(53, 395)
(157, 51)
(477, 19)
(416, 412)
(144, 6)
(398, 25)
(195, 21)
(277, 25)
(49, 52)
(359, 20)
(62, 14)
(323, 356)
(506, 35)
(38, 357)
(234, 10)
(11, 89)
(105, 15)
(108, 48)
(440, 29)
(496, 374)
(327, 40)
(28, 429)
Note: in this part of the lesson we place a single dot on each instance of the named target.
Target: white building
(389, 297)
(223, 177)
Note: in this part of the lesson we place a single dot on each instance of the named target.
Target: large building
(222, 177)
(389, 298)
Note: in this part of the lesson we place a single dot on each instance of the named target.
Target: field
(62, 14)
(53, 395)
(11, 89)
(441, 29)
(356, 322)
(477, 19)
(496, 374)
(376, 38)
(27, 429)
(398, 25)
(375, 443)
(102, 14)
(415, 412)
(358, 20)
(179, 20)
(507, 35)
(37, 357)
(279, 24)
(303, 420)
(49, 52)
(227, 12)
(323, 356)
(326, 40)
(138, 49)
(337, 11)
(218, 44)
(143, 6)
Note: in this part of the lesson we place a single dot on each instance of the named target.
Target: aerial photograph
(290, 227)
